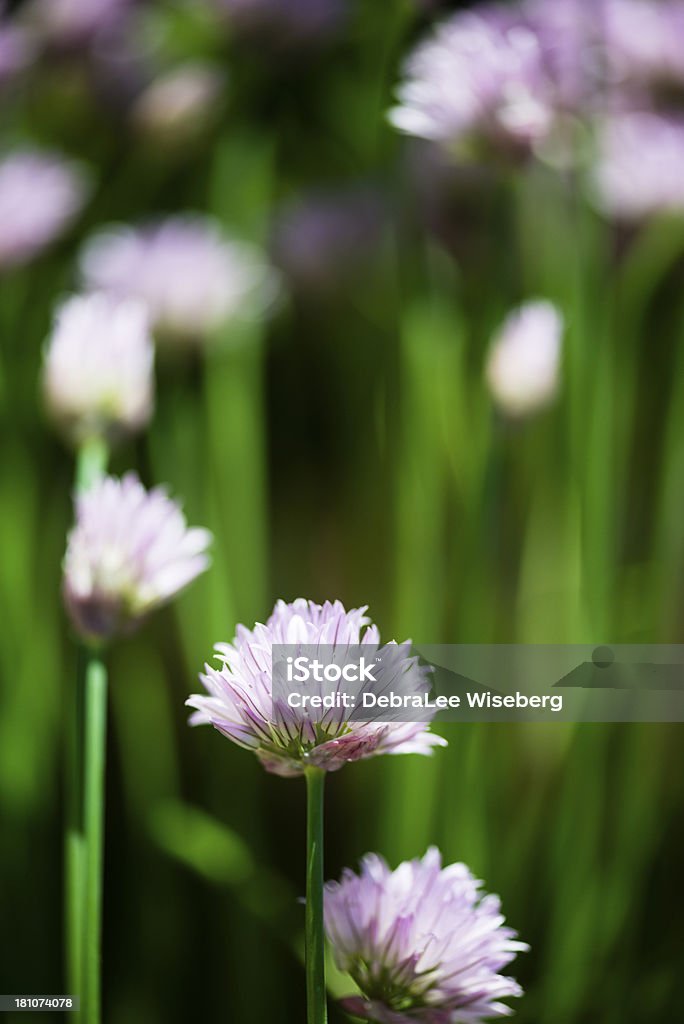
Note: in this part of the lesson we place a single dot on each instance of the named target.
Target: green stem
(93, 794)
(74, 842)
(91, 464)
(315, 948)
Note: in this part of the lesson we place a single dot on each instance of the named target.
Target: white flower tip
(523, 365)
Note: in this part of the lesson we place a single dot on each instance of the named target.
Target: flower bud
(98, 370)
(523, 364)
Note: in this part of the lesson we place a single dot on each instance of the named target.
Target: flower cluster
(548, 78)
(242, 706)
(422, 943)
(129, 552)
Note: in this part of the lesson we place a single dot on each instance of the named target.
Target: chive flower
(241, 705)
(643, 43)
(423, 943)
(129, 552)
(190, 274)
(40, 195)
(98, 368)
(639, 167)
(478, 79)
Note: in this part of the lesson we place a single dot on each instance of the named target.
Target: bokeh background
(345, 446)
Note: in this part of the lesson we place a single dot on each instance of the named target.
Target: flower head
(524, 359)
(191, 276)
(242, 705)
(639, 168)
(423, 943)
(40, 194)
(98, 371)
(643, 41)
(129, 552)
(480, 76)
(571, 41)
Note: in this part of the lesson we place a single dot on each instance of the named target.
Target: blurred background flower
(98, 377)
(129, 552)
(639, 170)
(40, 195)
(524, 359)
(179, 104)
(643, 42)
(190, 275)
(479, 79)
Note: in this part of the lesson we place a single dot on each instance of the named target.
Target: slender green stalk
(93, 803)
(74, 842)
(316, 1012)
(91, 464)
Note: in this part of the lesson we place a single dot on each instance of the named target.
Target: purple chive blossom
(423, 943)
(286, 740)
(643, 41)
(570, 40)
(98, 370)
(479, 77)
(639, 167)
(524, 360)
(129, 552)
(192, 277)
(40, 195)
